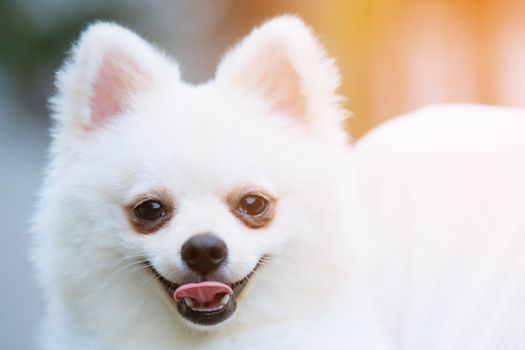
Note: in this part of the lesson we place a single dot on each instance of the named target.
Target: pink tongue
(203, 292)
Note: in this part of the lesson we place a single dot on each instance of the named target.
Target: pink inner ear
(117, 78)
(280, 83)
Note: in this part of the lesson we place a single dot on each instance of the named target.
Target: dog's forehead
(196, 136)
(209, 120)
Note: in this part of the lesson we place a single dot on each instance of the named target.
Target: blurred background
(394, 55)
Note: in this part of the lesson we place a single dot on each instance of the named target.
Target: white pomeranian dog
(232, 214)
(213, 216)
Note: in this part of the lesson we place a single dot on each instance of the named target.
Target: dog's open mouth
(208, 302)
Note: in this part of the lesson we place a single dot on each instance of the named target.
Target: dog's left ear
(283, 62)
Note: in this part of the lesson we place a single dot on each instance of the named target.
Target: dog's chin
(206, 316)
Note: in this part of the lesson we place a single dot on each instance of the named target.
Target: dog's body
(442, 191)
(255, 161)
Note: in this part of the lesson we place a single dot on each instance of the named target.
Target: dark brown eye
(252, 205)
(150, 210)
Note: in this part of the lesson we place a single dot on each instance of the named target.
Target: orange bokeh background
(398, 55)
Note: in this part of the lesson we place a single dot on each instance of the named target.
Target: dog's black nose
(204, 253)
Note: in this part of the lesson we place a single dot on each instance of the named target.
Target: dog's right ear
(107, 67)
(284, 64)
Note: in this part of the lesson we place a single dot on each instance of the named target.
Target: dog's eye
(150, 210)
(252, 205)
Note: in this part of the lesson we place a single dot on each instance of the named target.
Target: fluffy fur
(442, 192)
(414, 241)
(125, 124)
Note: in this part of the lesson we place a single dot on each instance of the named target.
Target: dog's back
(443, 190)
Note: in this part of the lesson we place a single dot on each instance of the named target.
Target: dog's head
(169, 203)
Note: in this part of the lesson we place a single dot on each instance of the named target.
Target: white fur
(442, 196)
(199, 143)
(414, 241)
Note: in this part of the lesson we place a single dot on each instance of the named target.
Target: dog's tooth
(225, 299)
(189, 301)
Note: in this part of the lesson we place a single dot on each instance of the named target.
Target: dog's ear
(284, 63)
(107, 66)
